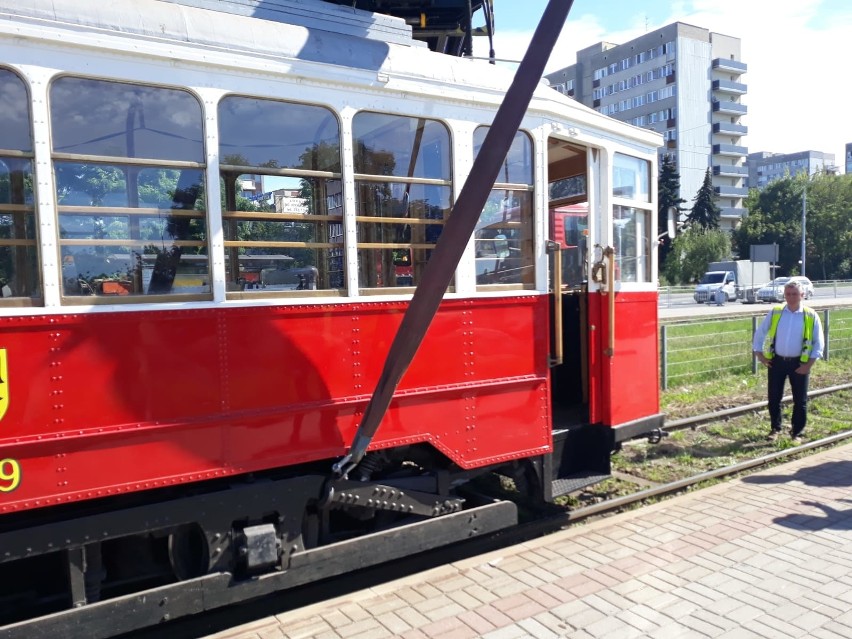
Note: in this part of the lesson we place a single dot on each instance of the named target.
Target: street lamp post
(804, 221)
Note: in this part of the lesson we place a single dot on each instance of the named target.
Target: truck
(732, 280)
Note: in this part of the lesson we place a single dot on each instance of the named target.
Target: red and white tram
(181, 362)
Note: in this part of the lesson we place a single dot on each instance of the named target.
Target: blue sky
(797, 51)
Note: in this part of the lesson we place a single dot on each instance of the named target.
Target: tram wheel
(189, 554)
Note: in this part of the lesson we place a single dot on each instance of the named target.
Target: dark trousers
(780, 371)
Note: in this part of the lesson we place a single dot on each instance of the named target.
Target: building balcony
(729, 170)
(733, 213)
(733, 88)
(730, 191)
(729, 108)
(730, 66)
(729, 128)
(730, 150)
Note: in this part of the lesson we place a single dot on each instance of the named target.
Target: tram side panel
(107, 403)
(626, 381)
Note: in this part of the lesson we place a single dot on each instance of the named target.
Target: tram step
(573, 483)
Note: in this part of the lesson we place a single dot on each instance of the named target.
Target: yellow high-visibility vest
(807, 332)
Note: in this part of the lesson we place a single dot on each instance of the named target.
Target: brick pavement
(768, 556)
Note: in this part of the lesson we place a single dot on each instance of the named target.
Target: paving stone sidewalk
(764, 557)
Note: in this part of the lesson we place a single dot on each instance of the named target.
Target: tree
(704, 212)
(829, 227)
(775, 217)
(668, 196)
(693, 250)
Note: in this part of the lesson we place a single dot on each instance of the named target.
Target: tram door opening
(568, 218)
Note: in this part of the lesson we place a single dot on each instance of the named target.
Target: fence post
(664, 375)
(753, 357)
(826, 315)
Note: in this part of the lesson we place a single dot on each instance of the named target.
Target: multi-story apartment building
(764, 167)
(685, 82)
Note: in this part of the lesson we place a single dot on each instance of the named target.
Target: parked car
(774, 291)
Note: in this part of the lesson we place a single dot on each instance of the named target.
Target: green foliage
(668, 195)
(693, 250)
(94, 180)
(775, 216)
(829, 227)
(705, 213)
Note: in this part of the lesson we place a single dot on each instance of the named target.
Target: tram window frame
(506, 224)
(632, 216)
(308, 229)
(134, 266)
(20, 276)
(400, 210)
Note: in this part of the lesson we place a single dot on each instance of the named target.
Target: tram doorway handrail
(555, 250)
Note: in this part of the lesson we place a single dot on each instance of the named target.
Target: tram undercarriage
(126, 565)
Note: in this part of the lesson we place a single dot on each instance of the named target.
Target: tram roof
(315, 14)
(438, 23)
(311, 31)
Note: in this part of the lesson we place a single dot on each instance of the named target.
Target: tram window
(504, 232)
(403, 196)
(570, 228)
(282, 197)
(19, 278)
(632, 249)
(630, 178)
(632, 232)
(123, 120)
(128, 161)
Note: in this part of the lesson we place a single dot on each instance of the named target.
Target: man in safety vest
(788, 342)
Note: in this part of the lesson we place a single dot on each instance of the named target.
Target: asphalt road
(681, 305)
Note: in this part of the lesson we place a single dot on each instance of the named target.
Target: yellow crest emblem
(4, 383)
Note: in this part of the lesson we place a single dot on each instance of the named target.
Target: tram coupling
(655, 436)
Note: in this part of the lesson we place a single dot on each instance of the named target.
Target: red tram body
(240, 390)
(179, 371)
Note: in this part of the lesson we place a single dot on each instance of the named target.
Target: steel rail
(680, 484)
(545, 525)
(691, 422)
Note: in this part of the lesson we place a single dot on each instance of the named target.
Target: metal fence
(697, 351)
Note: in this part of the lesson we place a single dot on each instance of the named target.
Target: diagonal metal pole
(442, 264)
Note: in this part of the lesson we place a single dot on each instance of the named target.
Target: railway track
(545, 521)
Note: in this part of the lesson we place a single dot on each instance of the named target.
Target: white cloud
(799, 91)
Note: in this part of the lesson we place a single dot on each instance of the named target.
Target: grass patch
(694, 352)
(689, 452)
